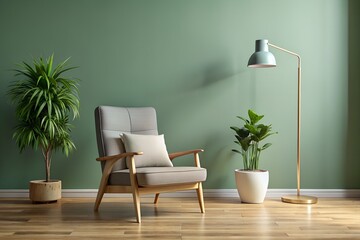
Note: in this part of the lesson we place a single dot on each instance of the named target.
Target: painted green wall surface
(188, 59)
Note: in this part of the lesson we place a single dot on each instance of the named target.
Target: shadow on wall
(352, 176)
(8, 122)
(24, 161)
(223, 161)
(218, 71)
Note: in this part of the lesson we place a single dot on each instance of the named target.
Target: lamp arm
(290, 52)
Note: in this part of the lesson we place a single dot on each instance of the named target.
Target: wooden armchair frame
(137, 190)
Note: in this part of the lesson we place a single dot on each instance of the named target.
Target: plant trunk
(47, 158)
(245, 159)
(251, 156)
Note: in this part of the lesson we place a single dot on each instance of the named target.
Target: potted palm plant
(45, 100)
(252, 182)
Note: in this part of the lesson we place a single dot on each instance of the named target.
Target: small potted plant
(252, 182)
(44, 101)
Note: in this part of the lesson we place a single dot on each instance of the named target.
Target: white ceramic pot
(42, 191)
(252, 185)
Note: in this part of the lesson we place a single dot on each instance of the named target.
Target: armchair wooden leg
(103, 183)
(200, 195)
(99, 197)
(135, 189)
(136, 199)
(100, 193)
(156, 198)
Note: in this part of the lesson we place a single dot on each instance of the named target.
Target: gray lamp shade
(262, 58)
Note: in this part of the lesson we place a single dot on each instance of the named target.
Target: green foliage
(44, 100)
(249, 137)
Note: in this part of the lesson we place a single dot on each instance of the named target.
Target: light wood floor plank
(180, 219)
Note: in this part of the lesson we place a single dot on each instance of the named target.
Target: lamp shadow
(217, 72)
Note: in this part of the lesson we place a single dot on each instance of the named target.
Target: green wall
(188, 59)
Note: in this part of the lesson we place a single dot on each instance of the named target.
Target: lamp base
(299, 199)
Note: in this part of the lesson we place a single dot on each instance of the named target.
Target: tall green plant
(44, 100)
(249, 136)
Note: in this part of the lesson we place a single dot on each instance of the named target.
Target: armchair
(119, 171)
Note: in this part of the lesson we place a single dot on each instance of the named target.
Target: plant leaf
(266, 146)
(237, 151)
(254, 118)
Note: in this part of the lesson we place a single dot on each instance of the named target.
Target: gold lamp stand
(263, 58)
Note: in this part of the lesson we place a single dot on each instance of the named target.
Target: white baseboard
(208, 193)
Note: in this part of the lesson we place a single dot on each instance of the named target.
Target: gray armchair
(119, 171)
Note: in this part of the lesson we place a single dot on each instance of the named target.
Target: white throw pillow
(153, 148)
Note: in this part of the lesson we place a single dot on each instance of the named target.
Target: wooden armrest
(179, 154)
(118, 156)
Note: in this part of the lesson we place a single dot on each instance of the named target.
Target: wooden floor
(179, 218)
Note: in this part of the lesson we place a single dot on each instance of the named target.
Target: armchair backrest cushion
(111, 122)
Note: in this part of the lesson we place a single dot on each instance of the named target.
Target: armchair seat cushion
(155, 176)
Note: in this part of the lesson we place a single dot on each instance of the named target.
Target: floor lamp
(262, 58)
